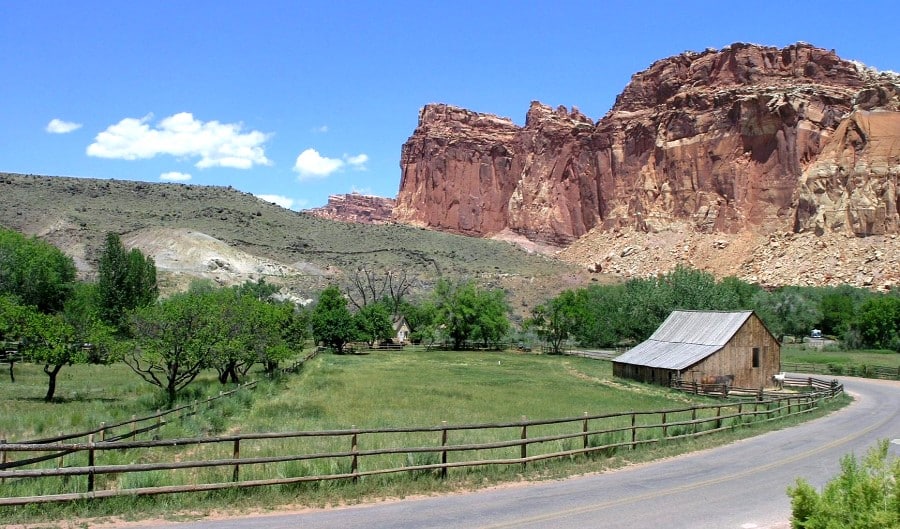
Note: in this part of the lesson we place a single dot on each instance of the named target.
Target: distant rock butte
(747, 138)
(356, 207)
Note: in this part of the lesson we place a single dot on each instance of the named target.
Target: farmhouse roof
(685, 338)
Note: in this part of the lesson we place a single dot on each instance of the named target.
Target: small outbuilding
(706, 347)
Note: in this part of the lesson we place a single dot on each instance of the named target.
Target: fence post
(633, 431)
(90, 485)
(354, 458)
(102, 431)
(158, 423)
(524, 445)
(584, 430)
(718, 417)
(665, 428)
(444, 452)
(236, 455)
(693, 421)
(2, 457)
(741, 412)
(133, 427)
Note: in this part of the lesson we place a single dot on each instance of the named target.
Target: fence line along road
(281, 458)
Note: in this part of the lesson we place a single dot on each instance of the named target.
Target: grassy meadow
(806, 354)
(376, 390)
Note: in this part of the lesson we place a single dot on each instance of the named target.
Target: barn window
(756, 357)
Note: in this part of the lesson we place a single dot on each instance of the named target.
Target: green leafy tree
(331, 321)
(421, 318)
(464, 312)
(787, 311)
(126, 280)
(174, 340)
(558, 319)
(35, 272)
(879, 322)
(865, 495)
(373, 323)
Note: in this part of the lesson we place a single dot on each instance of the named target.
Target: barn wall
(736, 358)
(650, 375)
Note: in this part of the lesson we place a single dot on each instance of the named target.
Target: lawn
(805, 354)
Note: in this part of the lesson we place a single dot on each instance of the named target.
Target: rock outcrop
(356, 207)
(745, 138)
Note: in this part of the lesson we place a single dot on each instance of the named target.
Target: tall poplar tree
(126, 281)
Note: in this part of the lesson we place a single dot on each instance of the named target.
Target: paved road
(740, 486)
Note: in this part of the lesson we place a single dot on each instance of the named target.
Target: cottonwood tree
(373, 323)
(466, 312)
(126, 280)
(173, 340)
(331, 321)
(35, 272)
(373, 286)
(558, 319)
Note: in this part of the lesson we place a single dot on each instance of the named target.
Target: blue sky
(299, 100)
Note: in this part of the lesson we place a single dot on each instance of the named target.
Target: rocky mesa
(744, 139)
(356, 207)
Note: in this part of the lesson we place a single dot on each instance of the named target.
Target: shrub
(864, 495)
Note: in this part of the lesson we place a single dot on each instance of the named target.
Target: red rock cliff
(743, 138)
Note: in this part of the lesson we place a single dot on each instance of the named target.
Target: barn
(710, 347)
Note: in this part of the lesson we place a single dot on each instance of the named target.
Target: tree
(370, 286)
(879, 322)
(787, 311)
(865, 495)
(558, 319)
(173, 340)
(332, 323)
(254, 331)
(373, 323)
(465, 312)
(126, 280)
(35, 272)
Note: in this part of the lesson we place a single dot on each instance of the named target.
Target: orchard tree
(173, 340)
(126, 280)
(35, 272)
(331, 321)
(787, 311)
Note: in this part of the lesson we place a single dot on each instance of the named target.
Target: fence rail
(281, 458)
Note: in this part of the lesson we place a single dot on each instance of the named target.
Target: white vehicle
(816, 333)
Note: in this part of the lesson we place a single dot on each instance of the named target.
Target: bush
(865, 495)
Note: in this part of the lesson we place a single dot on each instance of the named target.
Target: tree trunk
(51, 385)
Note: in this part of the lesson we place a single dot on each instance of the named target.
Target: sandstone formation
(748, 138)
(356, 207)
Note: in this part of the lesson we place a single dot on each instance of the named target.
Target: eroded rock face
(356, 207)
(748, 137)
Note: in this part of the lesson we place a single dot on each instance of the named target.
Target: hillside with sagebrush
(228, 236)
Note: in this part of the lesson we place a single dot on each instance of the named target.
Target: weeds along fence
(866, 371)
(295, 459)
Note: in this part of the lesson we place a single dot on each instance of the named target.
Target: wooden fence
(867, 371)
(284, 458)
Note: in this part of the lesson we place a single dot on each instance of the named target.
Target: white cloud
(358, 161)
(282, 201)
(216, 144)
(58, 126)
(175, 176)
(311, 164)
(321, 130)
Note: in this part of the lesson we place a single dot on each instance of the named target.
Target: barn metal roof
(685, 338)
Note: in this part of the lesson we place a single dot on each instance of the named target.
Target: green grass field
(377, 390)
(801, 353)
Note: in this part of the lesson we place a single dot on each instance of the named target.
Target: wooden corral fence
(866, 371)
(283, 458)
(832, 388)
